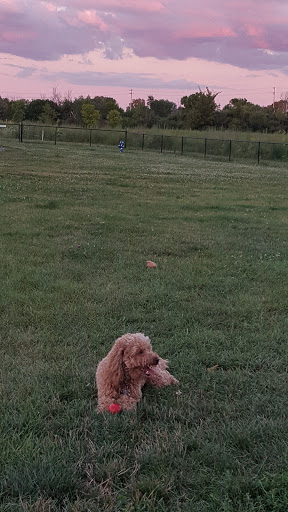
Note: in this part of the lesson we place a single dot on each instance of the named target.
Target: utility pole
(274, 90)
(131, 94)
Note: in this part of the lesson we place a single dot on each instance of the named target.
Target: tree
(199, 109)
(149, 100)
(276, 121)
(48, 115)
(104, 105)
(89, 114)
(5, 109)
(243, 115)
(114, 118)
(18, 110)
(56, 96)
(77, 107)
(138, 115)
(236, 114)
(139, 101)
(281, 105)
(34, 109)
(67, 113)
(139, 112)
(161, 108)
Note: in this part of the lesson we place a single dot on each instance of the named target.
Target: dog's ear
(116, 370)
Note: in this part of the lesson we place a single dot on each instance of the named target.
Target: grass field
(77, 226)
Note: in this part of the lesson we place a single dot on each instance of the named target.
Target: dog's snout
(156, 360)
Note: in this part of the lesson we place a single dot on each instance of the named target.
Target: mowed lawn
(77, 226)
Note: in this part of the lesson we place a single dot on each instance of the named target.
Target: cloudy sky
(164, 48)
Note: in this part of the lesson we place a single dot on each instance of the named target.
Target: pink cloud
(256, 35)
(205, 33)
(17, 36)
(133, 6)
(55, 32)
(9, 6)
(91, 18)
(223, 31)
(50, 7)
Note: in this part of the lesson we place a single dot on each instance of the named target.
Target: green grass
(77, 226)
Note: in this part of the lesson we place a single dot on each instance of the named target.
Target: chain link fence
(221, 149)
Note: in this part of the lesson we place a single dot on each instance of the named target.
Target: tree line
(197, 111)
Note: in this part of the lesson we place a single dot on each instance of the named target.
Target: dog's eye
(141, 351)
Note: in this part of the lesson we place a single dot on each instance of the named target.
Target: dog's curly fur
(129, 365)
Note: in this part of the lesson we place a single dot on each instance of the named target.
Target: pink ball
(114, 408)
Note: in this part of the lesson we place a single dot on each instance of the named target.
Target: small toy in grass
(114, 408)
(151, 264)
(121, 145)
(212, 368)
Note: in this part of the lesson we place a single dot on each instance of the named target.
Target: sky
(136, 48)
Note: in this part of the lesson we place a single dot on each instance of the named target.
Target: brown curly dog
(130, 364)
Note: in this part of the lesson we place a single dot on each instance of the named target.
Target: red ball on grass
(114, 408)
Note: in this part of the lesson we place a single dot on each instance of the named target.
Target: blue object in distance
(121, 146)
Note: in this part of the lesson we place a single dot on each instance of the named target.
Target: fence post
(143, 135)
(125, 140)
(258, 153)
(161, 147)
(205, 148)
(90, 137)
(182, 146)
(55, 137)
(230, 150)
(21, 132)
